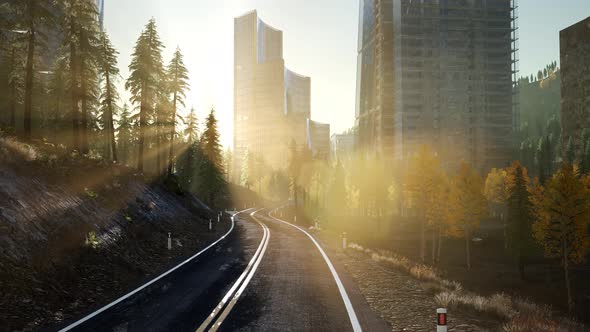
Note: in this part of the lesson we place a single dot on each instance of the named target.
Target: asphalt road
(290, 288)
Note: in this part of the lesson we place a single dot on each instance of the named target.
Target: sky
(319, 41)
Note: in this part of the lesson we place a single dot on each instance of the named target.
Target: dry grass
(11, 148)
(520, 315)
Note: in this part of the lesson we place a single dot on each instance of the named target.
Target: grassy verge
(518, 315)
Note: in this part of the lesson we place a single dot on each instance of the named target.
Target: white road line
(356, 326)
(236, 284)
(139, 289)
(234, 300)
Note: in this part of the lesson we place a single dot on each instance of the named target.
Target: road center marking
(242, 282)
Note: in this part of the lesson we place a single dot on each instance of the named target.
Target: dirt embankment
(77, 232)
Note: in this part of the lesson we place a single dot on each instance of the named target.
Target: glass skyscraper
(441, 73)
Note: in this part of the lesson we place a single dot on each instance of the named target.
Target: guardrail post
(169, 241)
(441, 320)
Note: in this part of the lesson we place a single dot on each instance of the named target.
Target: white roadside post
(343, 240)
(169, 241)
(441, 320)
(210, 224)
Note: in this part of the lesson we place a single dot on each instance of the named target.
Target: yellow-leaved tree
(437, 212)
(468, 206)
(423, 172)
(562, 215)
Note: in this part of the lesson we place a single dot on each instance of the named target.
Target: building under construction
(441, 73)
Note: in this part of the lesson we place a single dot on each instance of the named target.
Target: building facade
(271, 102)
(342, 145)
(318, 139)
(437, 72)
(574, 49)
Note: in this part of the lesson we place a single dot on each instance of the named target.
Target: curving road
(264, 275)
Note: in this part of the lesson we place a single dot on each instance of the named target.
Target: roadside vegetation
(518, 314)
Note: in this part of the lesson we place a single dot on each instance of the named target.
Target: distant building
(271, 102)
(318, 139)
(439, 73)
(574, 51)
(342, 145)
(100, 7)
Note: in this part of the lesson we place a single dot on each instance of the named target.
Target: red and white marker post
(441, 320)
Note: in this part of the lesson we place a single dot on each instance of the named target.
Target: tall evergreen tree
(107, 66)
(81, 37)
(58, 90)
(124, 134)
(144, 81)
(178, 84)
(32, 16)
(211, 145)
(519, 215)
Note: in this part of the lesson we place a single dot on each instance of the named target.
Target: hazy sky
(319, 36)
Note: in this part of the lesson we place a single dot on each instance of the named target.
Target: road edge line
(356, 326)
(142, 287)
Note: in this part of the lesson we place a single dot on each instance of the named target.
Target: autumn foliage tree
(562, 216)
(468, 204)
(423, 174)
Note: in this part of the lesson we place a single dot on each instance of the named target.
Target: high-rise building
(271, 102)
(342, 145)
(318, 139)
(574, 49)
(441, 73)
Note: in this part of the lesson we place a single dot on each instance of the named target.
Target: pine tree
(124, 134)
(562, 213)
(211, 145)
(519, 215)
(107, 66)
(81, 38)
(57, 94)
(32, 16)
(192, 153)
(178, 84)
(144, 81)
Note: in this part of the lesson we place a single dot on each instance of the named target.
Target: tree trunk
(158, 141)
(568, 287)
(422, 240)
(111, 122)
(84, 148)
(75, 99)
(433, 245)
(439, 246)
(29, 77)
(142, 125)
(467, 250)
(172, 132)
(521, 266)
(13, 92)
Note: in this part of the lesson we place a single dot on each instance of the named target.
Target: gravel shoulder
(404, 302)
